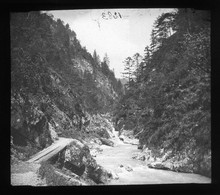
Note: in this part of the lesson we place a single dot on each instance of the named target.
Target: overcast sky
(119, 38)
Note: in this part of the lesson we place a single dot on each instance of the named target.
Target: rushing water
(118, 157)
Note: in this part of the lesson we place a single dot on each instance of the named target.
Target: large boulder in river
(107, 142)
(77, 158)
(74, 157)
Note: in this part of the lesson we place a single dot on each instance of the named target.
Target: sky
(119, 37)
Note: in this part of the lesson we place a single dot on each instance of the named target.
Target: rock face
(100, 125)
(53, 133)
(37, 119)
(77, 158)
(29, 123)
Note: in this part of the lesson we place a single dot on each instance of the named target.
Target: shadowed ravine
(113, 157)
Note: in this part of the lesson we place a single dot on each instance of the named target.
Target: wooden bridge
(50, 151)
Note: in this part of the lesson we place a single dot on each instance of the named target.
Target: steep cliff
(57, 86)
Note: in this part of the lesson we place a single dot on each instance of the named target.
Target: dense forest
(167, 99)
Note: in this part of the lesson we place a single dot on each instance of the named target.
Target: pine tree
(129, 70)
(106, 59)
(96, 59)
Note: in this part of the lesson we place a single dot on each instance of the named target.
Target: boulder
(121, 138)
(128, 168)
(97, 141)
(131, 141)
(99, 175)
(107, 142)
(139, 156)
(69, 181)
(142, 158)
(177, 166)
(76, 157)
(114, 175)
(95, 151)
(140, 147)
(158, 165)
(96, 172)
(91, 165)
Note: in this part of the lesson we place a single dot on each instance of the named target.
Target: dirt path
(119, 160)
(25, 173)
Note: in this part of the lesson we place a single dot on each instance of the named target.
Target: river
(117, 158)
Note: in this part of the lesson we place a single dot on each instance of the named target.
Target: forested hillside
(167, 99)
(56, 84)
